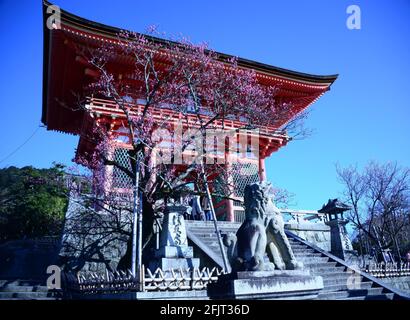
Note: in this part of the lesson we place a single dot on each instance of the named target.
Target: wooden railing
(108, 107)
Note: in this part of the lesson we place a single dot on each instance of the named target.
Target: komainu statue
(261, 232)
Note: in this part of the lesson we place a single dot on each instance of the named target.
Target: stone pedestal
(174, 252)
(277, 284)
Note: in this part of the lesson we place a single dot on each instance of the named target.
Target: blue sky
(364, 117)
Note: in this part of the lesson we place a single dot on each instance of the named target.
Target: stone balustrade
(388, 270)
(158, 280)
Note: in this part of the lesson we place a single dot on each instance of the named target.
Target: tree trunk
(147, 232)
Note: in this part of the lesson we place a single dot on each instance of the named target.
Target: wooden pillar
(262, 169)
(230, 216)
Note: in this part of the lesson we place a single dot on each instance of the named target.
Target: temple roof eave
(306, 88)
(97, 28)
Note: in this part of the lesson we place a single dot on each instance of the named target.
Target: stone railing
(195, 279)
(94, 283)
(309, 225)
(159, 280)
(388, 270)
(303, 216)
(291, 216)
(48, 241)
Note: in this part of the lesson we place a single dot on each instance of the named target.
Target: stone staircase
(202, 234)
(338, 281)
(26, 290)
(341, 282)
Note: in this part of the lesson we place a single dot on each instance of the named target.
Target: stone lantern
(340, 242)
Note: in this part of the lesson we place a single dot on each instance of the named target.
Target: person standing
(197, 212)
(207, 210)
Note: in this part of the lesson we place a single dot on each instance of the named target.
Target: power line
(20, 146)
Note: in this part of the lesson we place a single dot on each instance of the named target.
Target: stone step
(211, 223)
(317, 271)
(40, 289)
(14, 288)
(337, 269)
(328, 275)
(307, 250)
(19, 282)
(321, 265)
(308, 255)
(385, 296)
(331, 275)
(25, 295)
(210, 230)
(344, 286)
(291, 240)
(199, 232)
(215, 247)
(312, 260)
(196, 227)
(209, 241)
(335, 295)
(299, 248)
(296, 243)
(340, 280)
(335, 277)
(213, 244)
(205, 236)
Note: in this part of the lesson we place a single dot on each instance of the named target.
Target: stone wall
(93, 240)
(28, 259)
(316, 233)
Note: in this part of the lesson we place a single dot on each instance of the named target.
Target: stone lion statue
(261, 232)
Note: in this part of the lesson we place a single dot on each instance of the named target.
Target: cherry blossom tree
(203, 88)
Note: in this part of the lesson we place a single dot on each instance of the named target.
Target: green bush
(32, 202)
